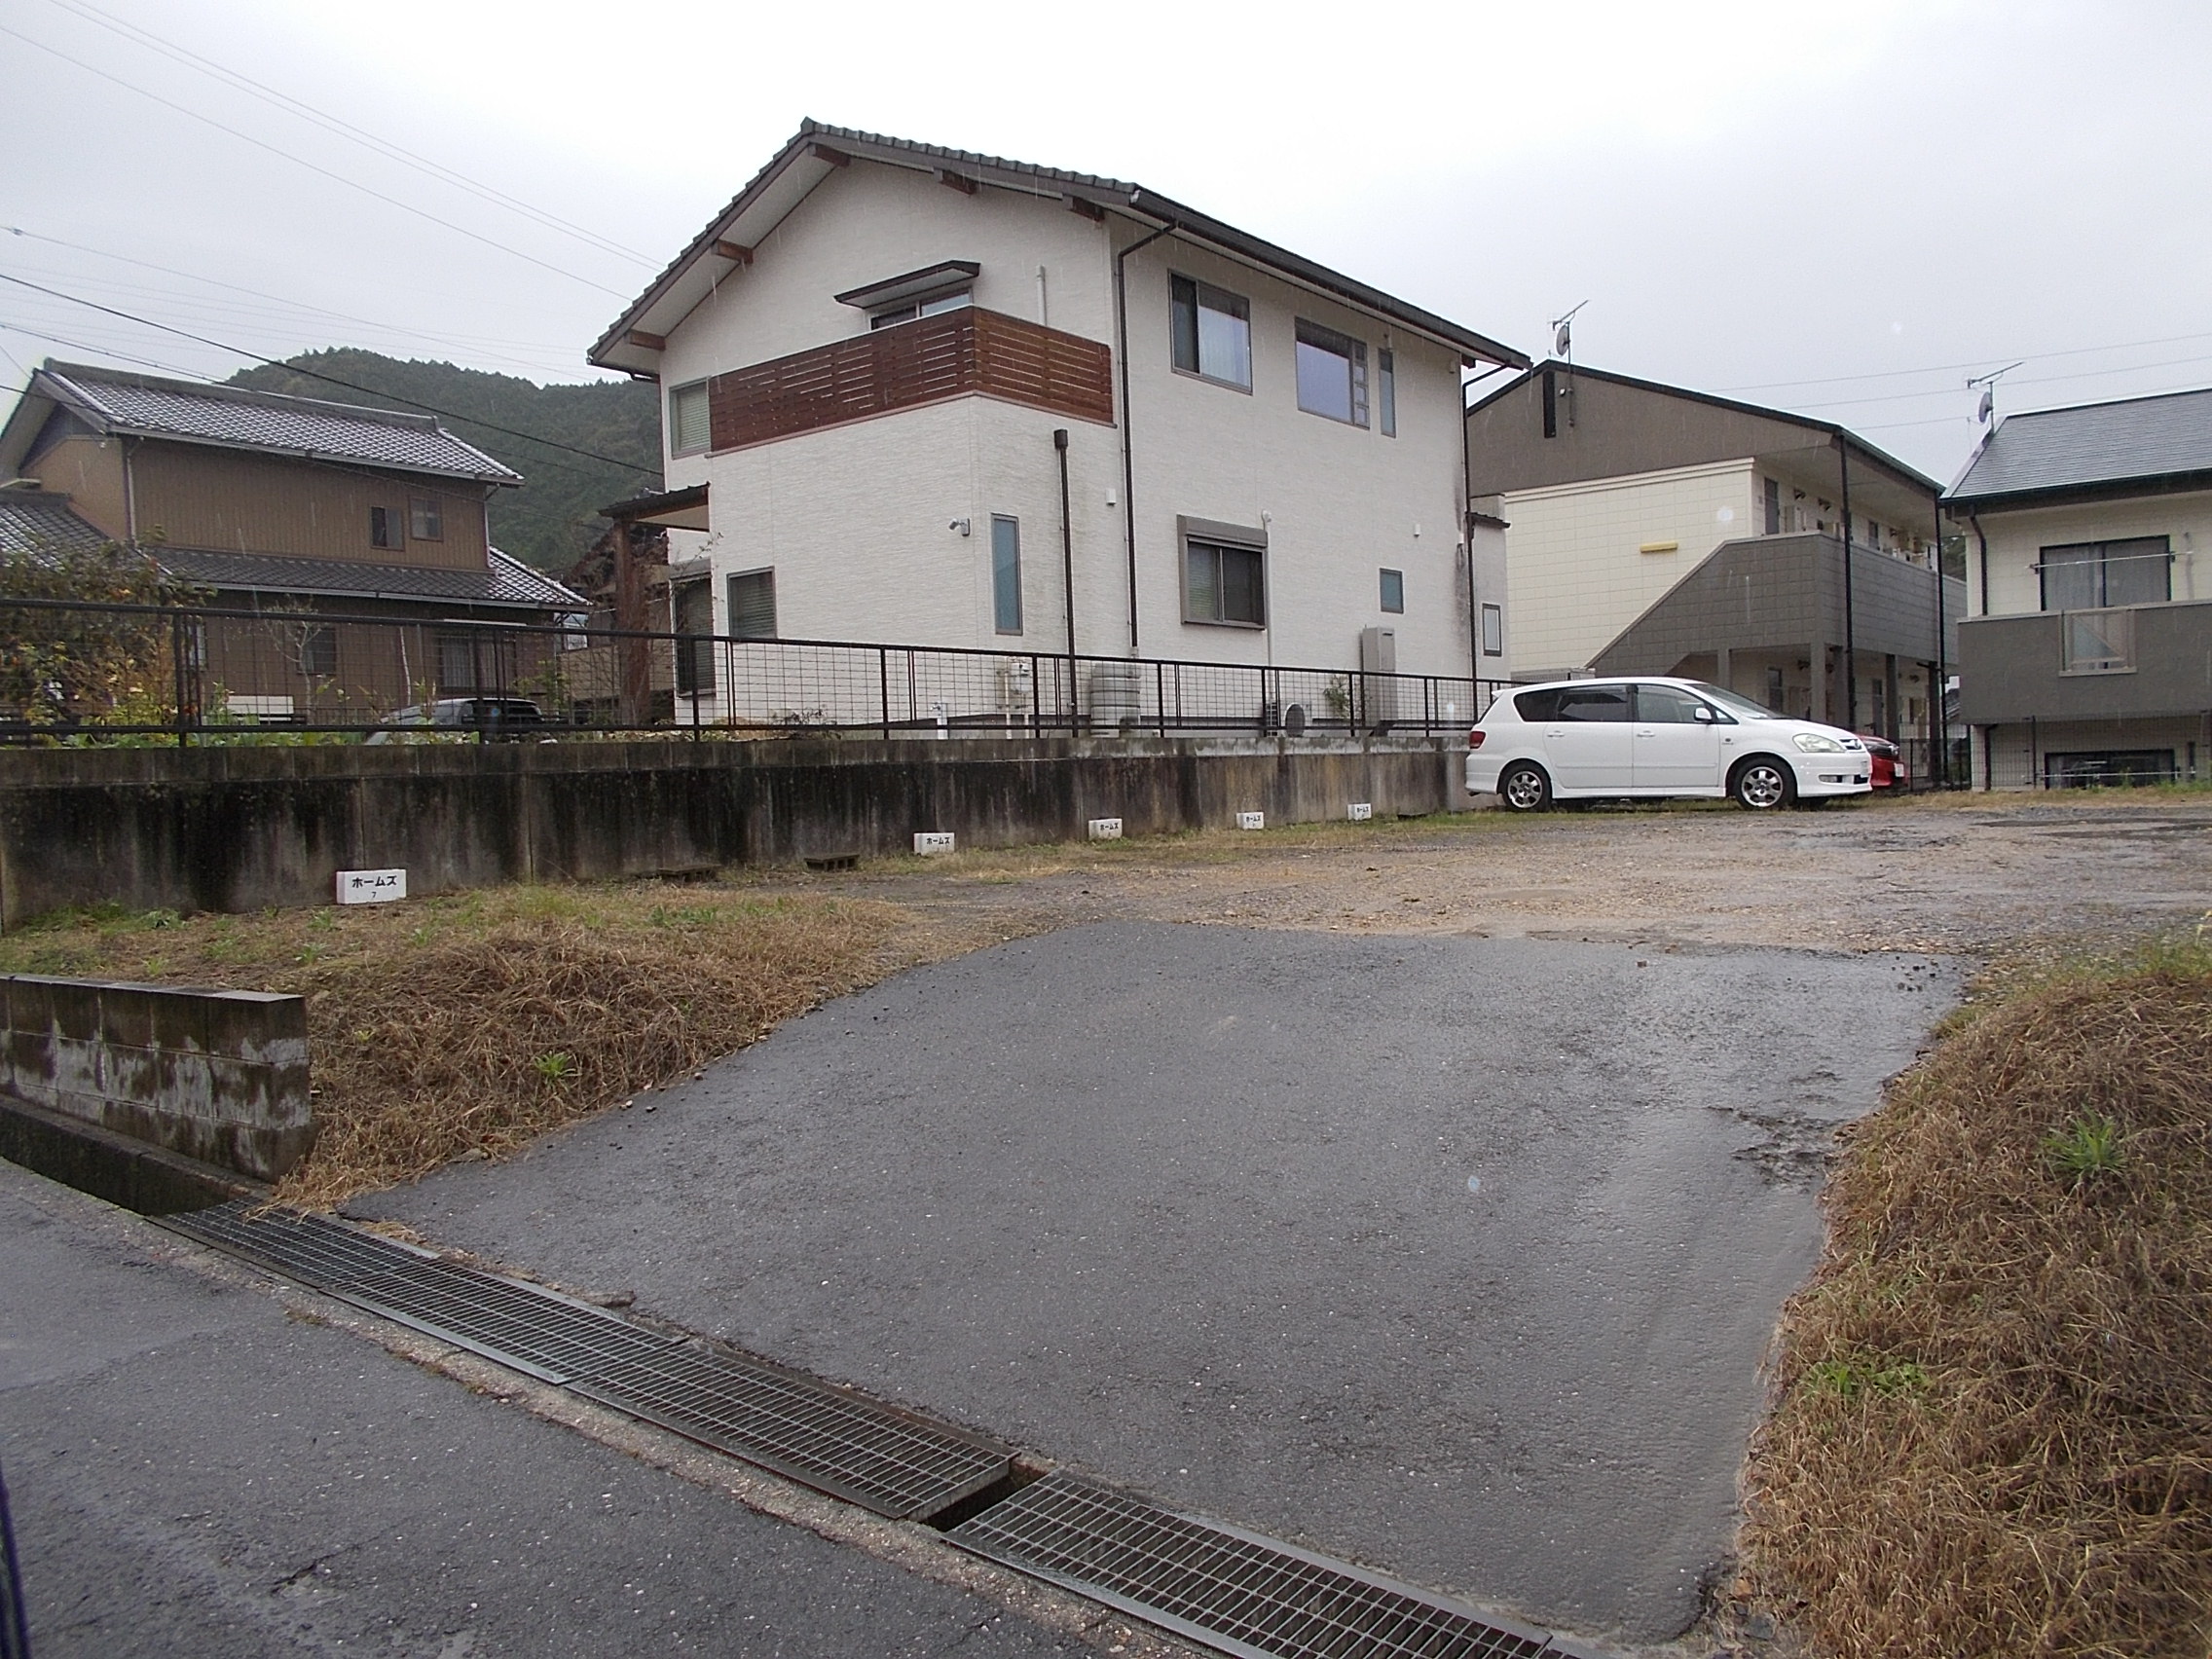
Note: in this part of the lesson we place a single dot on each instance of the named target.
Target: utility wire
(2033, 380)
(302, 160)
(332, 380)
(342, 128)
(1971, 363)
(470, 341)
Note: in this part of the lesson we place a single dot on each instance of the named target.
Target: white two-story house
(920, 397)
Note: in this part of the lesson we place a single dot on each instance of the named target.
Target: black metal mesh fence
(110, 672)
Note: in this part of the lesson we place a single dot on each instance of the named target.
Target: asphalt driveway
(1453, 1256)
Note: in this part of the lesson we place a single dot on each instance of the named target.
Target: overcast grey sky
(1840, 208)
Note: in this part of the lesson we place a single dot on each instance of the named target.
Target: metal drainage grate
(1242, 1595)
(310, 1248)
(851, 1447)
(520, 1325)
(839, 1442)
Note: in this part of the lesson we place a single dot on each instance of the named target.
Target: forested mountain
(553, 518)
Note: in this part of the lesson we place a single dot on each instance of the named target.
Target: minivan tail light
(1475, 738)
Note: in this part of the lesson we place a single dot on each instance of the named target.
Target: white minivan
(1649, 737)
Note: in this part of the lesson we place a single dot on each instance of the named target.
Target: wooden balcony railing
(912, 363)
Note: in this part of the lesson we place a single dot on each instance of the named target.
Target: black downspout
(1467, 541)
(1128, 447)
(1067, 559)
(1850, 617)
(1943, 724)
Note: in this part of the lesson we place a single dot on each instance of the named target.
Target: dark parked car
(1889, 762)
(493, 716)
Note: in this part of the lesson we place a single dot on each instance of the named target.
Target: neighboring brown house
(264, 502)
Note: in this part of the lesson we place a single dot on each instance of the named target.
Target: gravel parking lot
(1968, 874)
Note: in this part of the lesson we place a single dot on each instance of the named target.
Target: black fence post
(177, 656)
(883, 685)
(1160, 694)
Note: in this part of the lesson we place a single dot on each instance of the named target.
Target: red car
(1887, 763)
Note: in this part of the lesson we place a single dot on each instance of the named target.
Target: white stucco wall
(2016, 540)
(1575, 574)
(1340, 502)
(853, 519)
(864, 223)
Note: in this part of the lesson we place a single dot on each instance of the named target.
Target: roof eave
(2190, 482)
(1476, 347)
(328, 458)
(616, 349)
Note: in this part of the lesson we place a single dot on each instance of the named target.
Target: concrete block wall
(233, 830)
(220, 1076)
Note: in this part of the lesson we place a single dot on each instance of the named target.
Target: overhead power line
(330, 380)
(1970, 363)
(469, 341)
(2030, 380)
(321, 172)
(361, 135)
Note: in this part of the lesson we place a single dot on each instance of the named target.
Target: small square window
(1394, 591)
(318, 652)
(384, 527)
(1332, 373)
(425, 519)
(1224, 584)
(1494, 630)
(689, 430)
(1212, 332)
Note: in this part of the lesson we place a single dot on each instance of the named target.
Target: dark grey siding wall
(2010, 669)
(1788, 591)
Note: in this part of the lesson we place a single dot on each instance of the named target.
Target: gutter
(1129, 442)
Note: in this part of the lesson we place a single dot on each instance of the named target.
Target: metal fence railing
(2029, 755)
(201, 673)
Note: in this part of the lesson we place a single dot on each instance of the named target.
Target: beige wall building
(1652, 530)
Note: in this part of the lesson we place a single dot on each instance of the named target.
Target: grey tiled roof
(113, 401)
(2141, 438)
(33, 523)
(507, 581)
(1157, 209)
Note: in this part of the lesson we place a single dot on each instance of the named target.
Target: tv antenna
(1988, 385)
(1563, 334)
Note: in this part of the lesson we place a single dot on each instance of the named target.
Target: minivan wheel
(1525, 788)
(1762, 784)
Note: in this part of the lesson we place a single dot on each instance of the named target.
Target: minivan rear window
(1593, 703)
(1537, 707)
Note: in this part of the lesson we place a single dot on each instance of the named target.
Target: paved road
(1191, 1207)
(193, 1472)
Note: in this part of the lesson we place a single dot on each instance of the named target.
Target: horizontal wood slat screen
(924, 361)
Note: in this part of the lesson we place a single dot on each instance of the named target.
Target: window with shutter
(752, 606)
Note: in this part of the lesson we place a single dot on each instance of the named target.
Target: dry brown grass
(1993, 1420)
(462, 1027)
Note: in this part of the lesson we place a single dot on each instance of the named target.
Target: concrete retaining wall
(236, 828)
(219, 1077)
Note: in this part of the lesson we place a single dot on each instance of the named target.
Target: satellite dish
(1988, 405)
(1563, 340)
